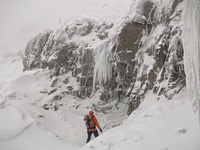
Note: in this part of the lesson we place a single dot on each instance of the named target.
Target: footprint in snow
(182, 131)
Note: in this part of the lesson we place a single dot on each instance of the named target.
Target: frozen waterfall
(102, 69)
(191, 43)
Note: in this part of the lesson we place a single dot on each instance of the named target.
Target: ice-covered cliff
(120, 59)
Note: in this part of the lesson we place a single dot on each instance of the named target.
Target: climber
(91, 124)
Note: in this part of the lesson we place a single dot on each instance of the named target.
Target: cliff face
(140, 53)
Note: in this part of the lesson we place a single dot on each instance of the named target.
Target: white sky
(24, 16)
(22, 19)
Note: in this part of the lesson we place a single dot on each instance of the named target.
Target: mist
(23, 19)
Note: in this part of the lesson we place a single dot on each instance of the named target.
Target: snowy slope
(24, 119)
(160, 125)
(11, 66)
(26, 134)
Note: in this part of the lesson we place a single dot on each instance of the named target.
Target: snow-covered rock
(141, 52)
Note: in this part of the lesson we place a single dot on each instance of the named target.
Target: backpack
(90, 124)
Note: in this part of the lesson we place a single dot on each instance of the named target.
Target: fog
(23, 19)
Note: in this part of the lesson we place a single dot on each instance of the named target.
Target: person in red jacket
(91, 124)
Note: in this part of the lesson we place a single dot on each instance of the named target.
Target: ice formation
(102, 68)
(191, 37)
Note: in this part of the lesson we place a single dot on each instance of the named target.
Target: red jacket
(94, 119)
(96, 123)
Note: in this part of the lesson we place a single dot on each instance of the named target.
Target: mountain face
(141, 52)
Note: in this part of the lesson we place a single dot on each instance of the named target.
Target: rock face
(143, 53)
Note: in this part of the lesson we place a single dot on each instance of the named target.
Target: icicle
(102, 68)
(104, 60)
(191, 44)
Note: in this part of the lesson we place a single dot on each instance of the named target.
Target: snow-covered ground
(26, 125)
(156, 125)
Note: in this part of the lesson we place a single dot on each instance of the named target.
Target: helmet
(86, 117)
(91, 113)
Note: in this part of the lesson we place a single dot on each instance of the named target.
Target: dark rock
(46, 106)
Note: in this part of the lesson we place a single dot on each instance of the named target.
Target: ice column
(102, 69)
(191, 44)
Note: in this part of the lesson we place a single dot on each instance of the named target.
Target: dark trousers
(90, 134)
